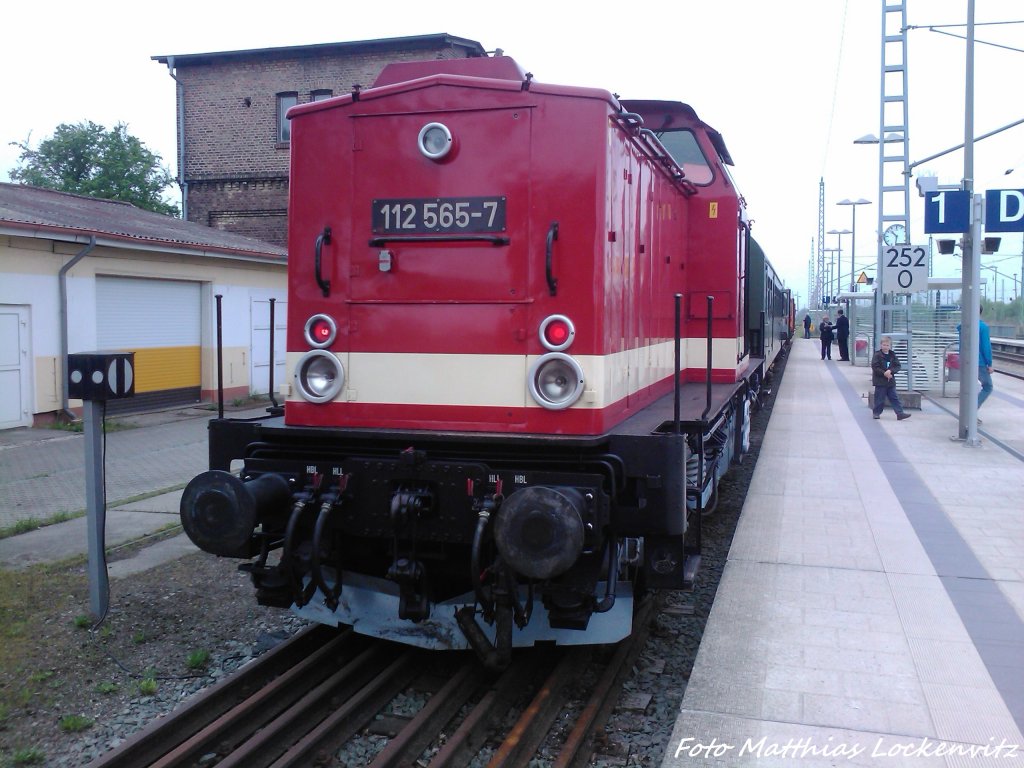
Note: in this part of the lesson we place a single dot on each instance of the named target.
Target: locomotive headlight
(321, 331)
(435, 140)
(557, 333)
(556, 381)
(319, 376)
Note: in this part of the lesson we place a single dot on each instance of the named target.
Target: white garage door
(161, 322)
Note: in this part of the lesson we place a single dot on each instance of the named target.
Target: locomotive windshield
(682, 145)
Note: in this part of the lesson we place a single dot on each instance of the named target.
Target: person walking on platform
(807, 326)
(984, 359)
(884, 367)
(842, 335)
(825, 332)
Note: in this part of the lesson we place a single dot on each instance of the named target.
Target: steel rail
(154, 741)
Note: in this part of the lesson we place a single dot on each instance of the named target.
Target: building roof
(351, 48)
(34, 212)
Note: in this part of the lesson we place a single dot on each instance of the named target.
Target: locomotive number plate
(433, 215)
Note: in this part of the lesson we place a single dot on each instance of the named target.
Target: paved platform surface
(872, 608)
(42, 474)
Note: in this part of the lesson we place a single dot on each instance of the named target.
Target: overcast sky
(788, 83)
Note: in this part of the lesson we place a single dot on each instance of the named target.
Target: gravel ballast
(69, 692)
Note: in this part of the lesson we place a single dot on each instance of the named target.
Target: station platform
(871, 611)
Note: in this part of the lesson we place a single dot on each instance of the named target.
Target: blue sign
(1004, 210)
(947, 212)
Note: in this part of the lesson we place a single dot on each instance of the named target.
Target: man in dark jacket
(884, 367)
(807, 326)
(825, 332)
(843, 334)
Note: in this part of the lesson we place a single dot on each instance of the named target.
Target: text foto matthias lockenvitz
(882, 747)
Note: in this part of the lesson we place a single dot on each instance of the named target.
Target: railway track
(1008, 364)
(300, 703)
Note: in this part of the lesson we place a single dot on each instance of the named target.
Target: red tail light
(557, 333)
(320, 331)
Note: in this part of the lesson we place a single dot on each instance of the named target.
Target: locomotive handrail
(492, 239)
(707, 409)
(678, 298)
(662, 154)
(321, 239)
(552, 280)
(654, 149)
(652, 138)
(630, 119)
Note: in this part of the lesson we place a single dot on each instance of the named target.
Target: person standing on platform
(843, 335)
(825, 332)
(984, 358)
(807, 326)
(884, 367)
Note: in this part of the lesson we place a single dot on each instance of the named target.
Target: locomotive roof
(495, 67)
(499, 72)
(32, 211)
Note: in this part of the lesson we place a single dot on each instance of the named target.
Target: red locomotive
(526, 324)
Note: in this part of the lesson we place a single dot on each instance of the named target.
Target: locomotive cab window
(686, 151)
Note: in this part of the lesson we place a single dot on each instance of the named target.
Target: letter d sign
(1004, 210)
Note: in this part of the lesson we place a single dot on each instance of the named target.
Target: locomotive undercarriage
(453, 540)
(531, 541)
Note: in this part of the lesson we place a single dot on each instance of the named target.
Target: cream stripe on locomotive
(501, 380)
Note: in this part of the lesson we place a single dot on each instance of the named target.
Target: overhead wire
(835, 88)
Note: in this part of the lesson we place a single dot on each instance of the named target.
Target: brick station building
(232, 132)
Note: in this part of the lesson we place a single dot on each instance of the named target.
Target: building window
(285, 101)
(320, 94)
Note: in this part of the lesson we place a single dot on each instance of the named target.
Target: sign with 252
(905, 269)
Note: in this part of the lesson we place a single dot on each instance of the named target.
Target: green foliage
(87, 159)
(1004, 313)
(107, 687)
(32, 523)
(197, 659)
(82, 621)
(148, 686)
(75, 723)
(28, 756)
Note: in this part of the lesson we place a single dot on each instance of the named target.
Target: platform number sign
(947, 212)
(905, 268)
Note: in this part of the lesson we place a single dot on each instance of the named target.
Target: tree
(87, 159)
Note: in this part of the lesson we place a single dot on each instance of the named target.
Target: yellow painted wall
(48, 391)
(166, 368)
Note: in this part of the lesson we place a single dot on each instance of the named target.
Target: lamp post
(831, 270)
(839, 232)
(853, 240)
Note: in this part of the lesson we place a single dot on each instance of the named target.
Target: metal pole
(853, 250)
(970, 315)
(271, 381)
(96, 511)
(220, 360)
